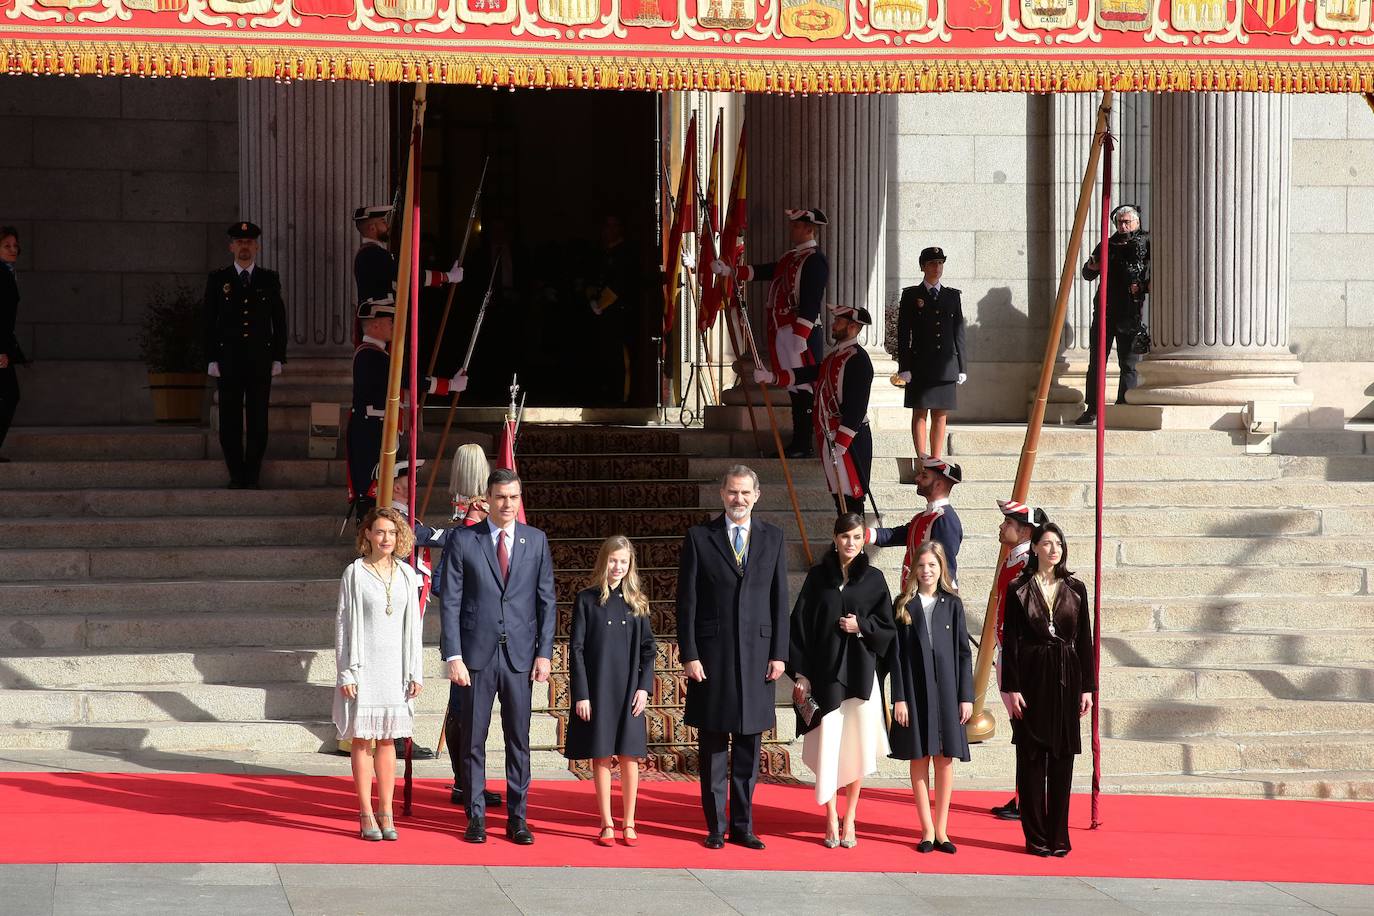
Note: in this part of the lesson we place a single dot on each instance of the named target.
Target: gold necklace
(386, 583)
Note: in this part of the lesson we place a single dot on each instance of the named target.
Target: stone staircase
(144, 608)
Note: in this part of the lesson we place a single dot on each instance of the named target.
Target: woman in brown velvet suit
(1048, 680)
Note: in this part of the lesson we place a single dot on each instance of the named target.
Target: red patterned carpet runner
(586, 483)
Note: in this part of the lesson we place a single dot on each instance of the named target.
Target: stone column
(834, 153)
(1074, 117)
(308, 154)
(1219, 293)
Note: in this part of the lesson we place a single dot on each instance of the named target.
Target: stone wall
(116, 186)
(1331, 286)
(972, 175)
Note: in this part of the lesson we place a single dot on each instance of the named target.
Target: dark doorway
(564, 166)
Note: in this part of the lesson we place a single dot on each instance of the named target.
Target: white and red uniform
(843, 382)
(939, 522)
(795, 296)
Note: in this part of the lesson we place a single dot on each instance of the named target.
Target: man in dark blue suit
(498, 613)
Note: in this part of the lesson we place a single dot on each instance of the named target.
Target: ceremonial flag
(736, 219)
(684, 220)
(711, 297)
(505, 456)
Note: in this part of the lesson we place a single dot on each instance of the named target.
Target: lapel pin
(522, 540)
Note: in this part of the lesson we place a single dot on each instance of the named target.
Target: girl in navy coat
(611, 663)
(932, 688)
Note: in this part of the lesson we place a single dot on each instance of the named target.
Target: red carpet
(104, 817)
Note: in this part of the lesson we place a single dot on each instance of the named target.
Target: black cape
(840, 666)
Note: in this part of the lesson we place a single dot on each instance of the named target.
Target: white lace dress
(380, 652)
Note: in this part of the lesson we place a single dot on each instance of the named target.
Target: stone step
(77, 507)
(114, 596)
(95, 443)
(1207, 685)
(1153, 719)
(143, 563)
(148, 530)
(1278, 647)
(1060, 440)
(1083, 468)
(161, 473)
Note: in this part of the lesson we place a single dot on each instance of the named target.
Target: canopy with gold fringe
(793, 46)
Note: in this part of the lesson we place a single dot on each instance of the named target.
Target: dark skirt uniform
(245, 332)
(610, 656)
(9, 345)
(932, 672)
(930, 341)
(1047, 657)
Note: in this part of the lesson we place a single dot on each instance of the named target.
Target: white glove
(276, 368)
(455, 273)
(212, 370)
(905, 376)
(764, 377)
(840, 449)
(961, 379)
(459, 383)
(798, 348)
(689, 260)
(721, 269)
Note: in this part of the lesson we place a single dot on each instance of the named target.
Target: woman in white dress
(378, 637)
(842, 628)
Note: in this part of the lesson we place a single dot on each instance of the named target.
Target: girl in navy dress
(611, 663)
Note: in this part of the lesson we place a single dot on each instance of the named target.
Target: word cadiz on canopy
(791, 46)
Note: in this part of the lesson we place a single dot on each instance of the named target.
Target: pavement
(361, 890)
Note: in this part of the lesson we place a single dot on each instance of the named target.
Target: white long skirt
(847, 745)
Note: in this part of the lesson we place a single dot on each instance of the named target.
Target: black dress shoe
(457, 797)
(714, 841)
(947, 847)
(421, 753)
(493, 799)
(1007, 812)
(1087, 419)
(799, 451)
(925, 846)
(1059, 853)
(477, 830)
(518, 832)
(1040, 851)
(234, 485)
(748, 841)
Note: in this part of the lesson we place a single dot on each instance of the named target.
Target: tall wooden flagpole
(982, 725)
(386, 473)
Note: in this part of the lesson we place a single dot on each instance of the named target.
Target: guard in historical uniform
(795, 296)
(1128, 283)
(245, 345)
(371, 374)
(843, 382)
(1019, 522)
(938, 522)
(375, 265)
(930, 352)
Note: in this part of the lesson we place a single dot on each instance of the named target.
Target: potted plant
(171, 345)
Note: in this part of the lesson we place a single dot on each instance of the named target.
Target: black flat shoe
(518, 832)
(748, 841)
(1087, 419)
(714, 841)
(1059, 853)
(477, 830)
(1040, 851)
(1007, 812)
(946, 847)
(925, 846)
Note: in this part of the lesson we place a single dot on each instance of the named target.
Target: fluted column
(834, 153)
(1071, 131)
(308, 154)
(1219, 293)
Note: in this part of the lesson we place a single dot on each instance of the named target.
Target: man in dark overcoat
(245, 346)
(732, 631)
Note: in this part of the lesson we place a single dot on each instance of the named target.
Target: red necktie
(503, 556)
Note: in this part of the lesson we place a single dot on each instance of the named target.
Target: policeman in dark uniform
(795, 296)
(930, 351)
(245, 344)
(371, 375)
(1128, 283)
(843, 382)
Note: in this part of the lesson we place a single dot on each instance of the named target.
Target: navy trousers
(474, 713)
